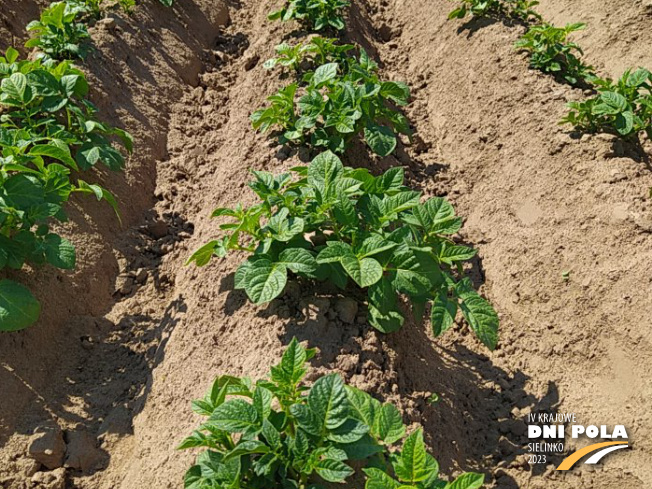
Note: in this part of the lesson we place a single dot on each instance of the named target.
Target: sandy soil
(133, 335)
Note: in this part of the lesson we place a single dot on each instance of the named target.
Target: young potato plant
(550, 52)
(280, 433)
(59, 33)
(317, 15)
(47, 131)
(623, 107)
(336, 102)
(513, 9)
(311, 54)
(345, 225)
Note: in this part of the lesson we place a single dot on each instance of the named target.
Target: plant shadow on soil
(114, 361)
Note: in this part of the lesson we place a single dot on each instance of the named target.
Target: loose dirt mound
(541, 206)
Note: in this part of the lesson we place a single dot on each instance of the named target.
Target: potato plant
(48, 130)
(623, 107)
(59, 33)
(317, 15)
(345, 225)
(514, 9)
(336, 102)
(280, 433)
(311, 54)
(551, 52)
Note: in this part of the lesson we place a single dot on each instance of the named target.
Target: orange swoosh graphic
(574, 457)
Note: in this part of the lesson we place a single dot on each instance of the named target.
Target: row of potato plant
(362, 232)
(280, 433)
(61, 31)
(622, 107)
(49, 134)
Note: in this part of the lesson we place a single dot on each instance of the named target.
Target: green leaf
(362, 406)
(204, 254)
(298, 260)
(389, 424)
(324, 169)
(362, 449)
(265, 281)
(293, 364)
(625, 123)
(454, 253)
(19, 309)
(377, 479)
(15, 86)
(235, 416)
(364, 272)
(442, 315)
(23, 191)
(415, 272)
(638, 77)
(482, 319)
(380, 139)
(334, 252)
(411, 465)
(386, 323)
(615, 100)
(262, 400)
(467, 481)
(327, 400)
(59, 252)
(333, 470)
(350, 432)
(324, 74)
(382, 296)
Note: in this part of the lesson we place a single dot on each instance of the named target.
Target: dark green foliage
(370, 230)
(552, 53)
(279, 433)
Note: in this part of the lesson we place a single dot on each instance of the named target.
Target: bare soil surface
(562, 223)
